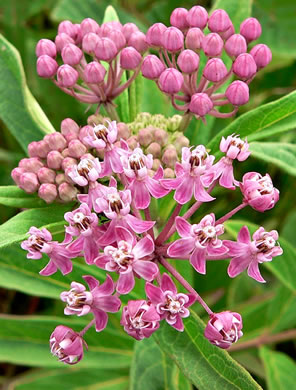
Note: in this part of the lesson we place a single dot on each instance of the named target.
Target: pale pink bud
(130, 58)
(168, 173)
(262, 55)
(62, 40)
(200, 104)
(65, 152)
(155, 33)
(78, 38)
(197, 17)
(48, 192)
(89, 25)
(54, 159)
(145, 137)
(128, 29)
(179, 18)
(212, 45)
(32, 164)
(156, 164)
(28, 181)
(194, 38)
(67, 192)
(171, 81)
(68, 162)
(110, 26)
(60, 178)
(16, 174)
(33, 149)
(118, 38)
(188, 61)
(245, 66)
(215, 70)
(173, 39)
(237, 93)
(84, 132)
(132, 142)
(94, 73)
(67, 76)
(251, 29)
(219, 21)
(71, 54)
(69, 127)
(155, 149)
(46, 66)
(42, 149)
(235, 45)
(66, 345)
(138, 41)
(170, 157)
(56, 141)
(123, 131)
(76, 148)
(152, 67)
(105, 50)
(181, 142)
(46, 47)
(89, 42)
(68, 28)
(161, 136)
(46, 175)
(227, 34)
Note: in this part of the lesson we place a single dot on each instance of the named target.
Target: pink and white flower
(88, 170)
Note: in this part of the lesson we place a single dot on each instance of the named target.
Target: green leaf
(76, 11)
(237, 10)
(18, 109)
(280, 370)
(13, 196)
(135, 97)
(281, 310)
(205, 365)
(264, 121)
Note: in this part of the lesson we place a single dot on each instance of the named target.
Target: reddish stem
(165, 231)
(231, 213)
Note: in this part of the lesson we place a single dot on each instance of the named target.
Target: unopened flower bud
(67, 192)
(66, 345)
(68, 28)
(48, 192)
(181, 142)
(156, 164)
(60, 178)
(173, 39)
(212, 45)
(89, 42)
(251, 29)
(94, 73)
(145, 137)
(65, 153)
(132, 142)
(168, 173)
(32, 164)
(46, 47)
(68, 127)
(197, 17)
(194, 38)
(62, 40)
(76, 148)
(105, 50)
(123, 131)
(245, 66)
(84, 132)
(155, 149)
(110, 26)
(179, 18)
(138, 41)
(171, 81)
(78, 38)
(67, 76)
(228, 33)
(262, 55)
(128, 29)
(130, 58)
(28, 181)
(16, 174)
(71, 54)
(42, 149)
(219, 21)
(170, 157)
(152, 67)
(68, 162)
(200, 104)
(154, 34)
(238, 93)
(46, 175)
(56, 141)
(161, 137)
(89, 25)
(215, 70)
(188, 61)
(235, 45)
(46, 66)
(33, 149)
(118, 38)
(54, 159)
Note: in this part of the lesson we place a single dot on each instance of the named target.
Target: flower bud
(200, 104)
(130, 58)
(212, 45)
(152, 67)
(128, 29)
(173, 39)
(54, 159)
(245, 66)
(154, 34)
(48, 192)
(179, 18)
(171, 81)
(237, 93)
(28, 181)
(145, 137)
(66, 345)
(42, 149)
(89, 42)
(62, 40)
(46, 47)
(251, 29)
(76, 148)
(138, 41)
(46, 175)
(170, 156)
(78, 38)
(46, 66)
(188, 61)
(67, 192)
(69, 127)
(228, 33)
(215, 70)
(156, 164)
(155, 149)
(71, 54)
(67, 76)
(197, 17)
(118, 38)
(65, 153)
(33, 149)
(262, 55)
(16, 174)
(89, 25)
(219, 21)
(68, 162)
(105, 50)
(84, 132)
(94, 73)
(194, 38)
(56, 141)
(110, 26)
(123, 131)
(181, 142)
(161, 137)
(68, 28)
(132, 142)
(168, 173)
(60, 178)
(235, 45)
(32, 164)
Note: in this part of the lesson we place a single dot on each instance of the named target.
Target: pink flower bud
(28, 181)
(262, 55)
(238, 93)
(46, 66)
(65, 152)
(46, 175)
(168, 173)
(197, 17)
(200, 104)
(54, 159)
(68, 162)
(94, 73)
(215, 70)
(212, 45)
(68, 28)
(56, 141)
(171, 81)
(123, 131)
(69, 127)
(110, 26)
(60, 178)
(152, 67)
(130, 58)
(62, 40)
(42, 149)
(188, 61)
(138, 41)
(48, 192)
(67, 76)
(76, 148)
(32, 164)
(67, 192)
(245, 66)
(46, 47)
(132, 142)
(145, 137)
(89, 42)
(84, 132)
(179, 18)
(181, 142)
(118, 38)
(71, 54)
(170, 156)
(105, 50)
(173, 39)
(194, 38)
(224, 329)
(219, 21)
(89, 25)
(161, 137)
(227, 34)
(66, 345)
(155, 149)
(235, 45)
(155, 33)
(128, 29)
(156, 165)
(78, 38)
(32, 149)
(251, 29)
(16, 174)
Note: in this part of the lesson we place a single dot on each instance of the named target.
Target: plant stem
(185, 121)
(163, 235)
(84, 330)
(148, 218)
(111, 112)
(231, 213)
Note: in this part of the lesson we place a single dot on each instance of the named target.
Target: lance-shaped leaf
(13, 196)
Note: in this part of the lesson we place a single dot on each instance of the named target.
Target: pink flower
(170, 305)
(98, 301)
(130, 258)
(249, 254)
(224, 329)
(189, 180)
(140, 319)
(135, 167)
(198, 241)
(88, 170)
(66, 345)
(259, 191)
(39, 242)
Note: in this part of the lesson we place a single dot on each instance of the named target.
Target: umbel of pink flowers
(131, 245)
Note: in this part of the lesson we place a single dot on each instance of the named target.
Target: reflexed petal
(108, 303)
(125, 283)
(101, 319)
(50, 269)
(154, 293)
(198, 260)
(156, 189)
(140, 194)
(200, 193)
(91, 281)
(146, 269)
(227, 178)
(181, 248)
(90, 250)
(183, 227)
(138, 225)
(244, 235)
(144, 247)
(178, 325)
(253, 272)
(101, 261)
(106, 288)
(238, 265)
(184, 191)
(167, 284)
(122, 234)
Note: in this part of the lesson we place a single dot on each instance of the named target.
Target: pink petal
(114, 159)
(140, 194)
(50, 269)
(212, 251)
(167, 284)
(226, 179)
(125, 283)
(122, 234)
(90, 250)
(244, 235)
(184, 191)
(154, 293)
(151, 315)
(156, 189)
(253, 272)
(91, 281)
(108, 303)
(101, 261)
(146, 269)
(109, 236)
(101, 319)
(138, 225)
(198, 260)
(183, 227)
(106, 288)
(144, 247)
(181, 248)
(171, 184)
(65, 265)
(238, 265)
(159, 173)
(200, 193)
(178, 325)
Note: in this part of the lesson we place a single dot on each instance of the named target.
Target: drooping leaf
(13, 196)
